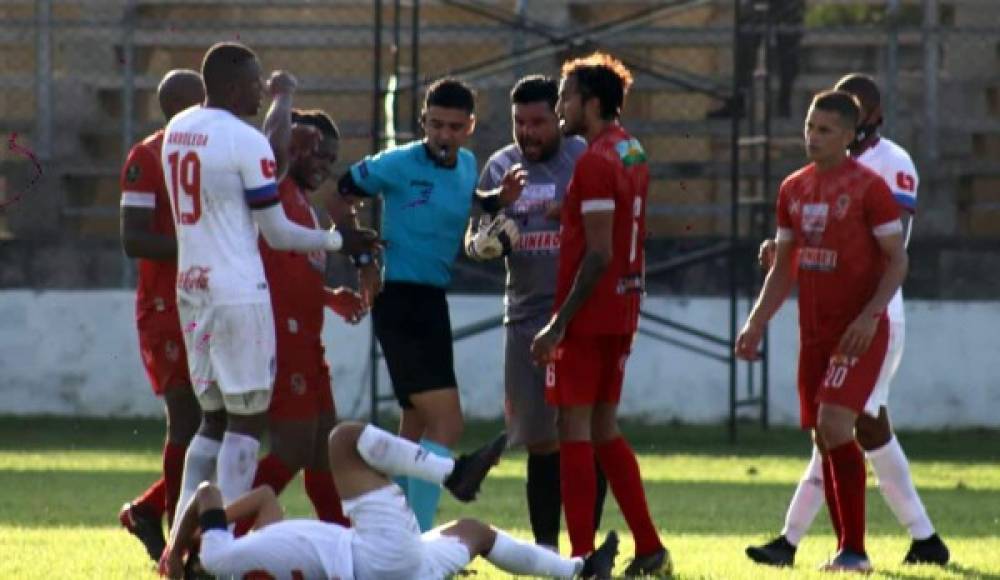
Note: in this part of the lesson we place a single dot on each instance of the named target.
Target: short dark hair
(863, 87)
(603, 77)
(221, 63)
(534, 89)
(841, 102)
(318, 119)
(450, 93)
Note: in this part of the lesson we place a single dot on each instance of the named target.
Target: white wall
(75, 353)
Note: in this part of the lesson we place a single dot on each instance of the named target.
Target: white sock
(396, 456)
(199, 466)
(513, 555)
(806, 502)
(237, 465)
(893, 473)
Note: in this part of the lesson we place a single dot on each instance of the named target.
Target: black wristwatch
(363, 259)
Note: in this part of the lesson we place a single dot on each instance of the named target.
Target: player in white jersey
(384, 542)
(221, 181)
(873, 429)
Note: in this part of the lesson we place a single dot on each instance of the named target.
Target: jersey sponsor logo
(424, 189)
(905, 181)
(630, 152)
(814, 221)
(629, 284)
(193, 279)
(817, 259)
(535, 197)
(133, 173)
(537, 242)
(188, 139)
(268, 168)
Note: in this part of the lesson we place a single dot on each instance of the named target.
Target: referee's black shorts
(413, 327)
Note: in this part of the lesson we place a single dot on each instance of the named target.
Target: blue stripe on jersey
(261, 194)
(906, 200)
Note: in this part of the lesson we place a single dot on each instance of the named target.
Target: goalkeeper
(531, 259)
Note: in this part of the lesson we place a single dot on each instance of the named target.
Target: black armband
(347, 186)
(490, 203)
(214, 519)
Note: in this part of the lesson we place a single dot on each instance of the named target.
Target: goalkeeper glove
(494, 238)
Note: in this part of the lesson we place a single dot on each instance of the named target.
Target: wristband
(334, 240)
(491, 204)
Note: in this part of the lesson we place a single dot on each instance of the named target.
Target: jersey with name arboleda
(896, 167)
(611, 176)
(217, 167)
(531, 268)
(834, 218)
(426, 210)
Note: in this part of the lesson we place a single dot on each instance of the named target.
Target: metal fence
(79, 76)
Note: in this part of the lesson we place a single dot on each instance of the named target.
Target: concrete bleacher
(328, 45)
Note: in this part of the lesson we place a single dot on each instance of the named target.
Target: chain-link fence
(79, 78)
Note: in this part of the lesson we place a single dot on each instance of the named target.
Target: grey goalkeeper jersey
(532, 267)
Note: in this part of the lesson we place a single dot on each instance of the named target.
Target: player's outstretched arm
(278, 121)
(777, 285)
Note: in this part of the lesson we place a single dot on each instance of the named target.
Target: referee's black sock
(544, 498)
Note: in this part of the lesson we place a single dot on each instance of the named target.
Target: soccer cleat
(777, 552)
(148, 530)
(655, 565)
(470, 469)
(600, 562)
(848, 561)
(930, 550)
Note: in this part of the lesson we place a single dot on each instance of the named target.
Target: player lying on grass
(384, 542)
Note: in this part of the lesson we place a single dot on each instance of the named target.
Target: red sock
(831, 501)
(173, 473)
(151, 502)
(620, 466)
(271, 471)
(848, 466)
(578, 485)
(323, 494)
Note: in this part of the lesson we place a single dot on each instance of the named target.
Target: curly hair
(603, 77)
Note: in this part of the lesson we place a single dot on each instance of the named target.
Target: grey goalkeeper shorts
(529, 419)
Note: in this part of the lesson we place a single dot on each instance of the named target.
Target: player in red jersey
(302, 413)
(147, 231)
(843, 222)
(598, 289)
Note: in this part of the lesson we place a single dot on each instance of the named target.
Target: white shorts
(388, 545)
(231, 354)
(893, 356)
(290, 549)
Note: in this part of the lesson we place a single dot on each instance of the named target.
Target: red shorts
(833, 379)
(588, 369)
(161, 345)
(302, 384)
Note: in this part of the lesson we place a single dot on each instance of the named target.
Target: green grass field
(62, 482)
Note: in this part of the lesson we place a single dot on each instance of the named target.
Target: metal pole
(376, 144)
(889, 107)
(415, 70)
(734, 185)
(929, 137)
(763, 211)
(43, 79)
(128, 107)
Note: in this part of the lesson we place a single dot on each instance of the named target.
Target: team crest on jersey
(298, 384)
(843, 204)
(172, 350)
(132, 173)
(631, 152)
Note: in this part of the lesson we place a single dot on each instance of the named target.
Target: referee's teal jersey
(426, 210)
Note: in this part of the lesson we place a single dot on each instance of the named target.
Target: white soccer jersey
(216, 167)
(896, 167)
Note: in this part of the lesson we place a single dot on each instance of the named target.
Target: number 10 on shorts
(836, 371)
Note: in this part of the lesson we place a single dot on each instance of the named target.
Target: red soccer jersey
(143, 186)
(611, 175)
(296, 279)
(834, 218)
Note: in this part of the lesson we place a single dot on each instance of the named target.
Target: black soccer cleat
(148, 530)
(655, 565)
(777, 552)
(930, 550)
(470, 469)
(601, 562)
